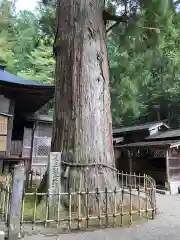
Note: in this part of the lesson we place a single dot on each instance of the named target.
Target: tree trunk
(82, 118)
(82, 124)
(82, 128)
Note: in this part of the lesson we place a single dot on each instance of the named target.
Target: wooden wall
(131, 137)
(10, 127)
(155, 166)
(26, 151)
(121, 160)
(174, 164)
(43, 130)
(3, 133)
(41, 145)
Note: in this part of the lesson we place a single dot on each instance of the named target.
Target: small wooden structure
(170, 134)
(37, 141)
(159, 159)
(19, 99)
(139, 132)
(4, 120)
(133, 134)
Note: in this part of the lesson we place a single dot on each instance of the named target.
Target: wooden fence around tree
(134, 200)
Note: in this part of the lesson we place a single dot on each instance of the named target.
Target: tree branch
(118, 19)
(112, 26)
(110, 17)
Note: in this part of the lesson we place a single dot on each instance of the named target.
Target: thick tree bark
(82, 118)
(82, 127)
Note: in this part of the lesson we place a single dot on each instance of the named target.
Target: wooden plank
(130, 155)
(130, 159)
(26, 152)
(32, 142)
(54, 175)
(173, 158)
(3, 125)
(10, 127)
(174, 168)
(3, 140)
(16, 202)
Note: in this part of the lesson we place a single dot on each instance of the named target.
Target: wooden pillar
(10, 127)
(32, 143)
(167, 165)
(1, 166)
(29, 165)
(130, 159)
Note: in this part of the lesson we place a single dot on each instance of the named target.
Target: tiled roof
(29, 96)
(154, 144)
(40, 118)
(7, 77)
(167, 134)
(145, 126)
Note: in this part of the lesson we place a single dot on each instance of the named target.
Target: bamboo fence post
(126, 180)
(144, 182)
(31, 179)
(47, 208)
(70, 209)
(98, 206)
(135, 186)
(34, 209)
(79, 209)
(22, 209)
(122, 202)
(115, 204)
(139, 201)
(87, 207)
(7, 191)
(130, 203)
(154, 202)
(59, 206)
(106, 206)
(1, 200)
(146, 204)
(139, 179)
(122, 177)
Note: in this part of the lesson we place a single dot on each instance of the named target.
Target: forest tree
(82, 127)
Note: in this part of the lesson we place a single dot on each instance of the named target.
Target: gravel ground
(166, 226)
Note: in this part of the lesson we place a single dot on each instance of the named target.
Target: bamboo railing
(133, 200)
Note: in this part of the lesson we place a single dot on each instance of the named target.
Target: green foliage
(6, 43)
(144, 66)
(24, 48)
(144, 55)
(41, 64)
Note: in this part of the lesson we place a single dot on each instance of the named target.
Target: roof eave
(175, 145)
(154, 144)
(159, 125)
(5, 114)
